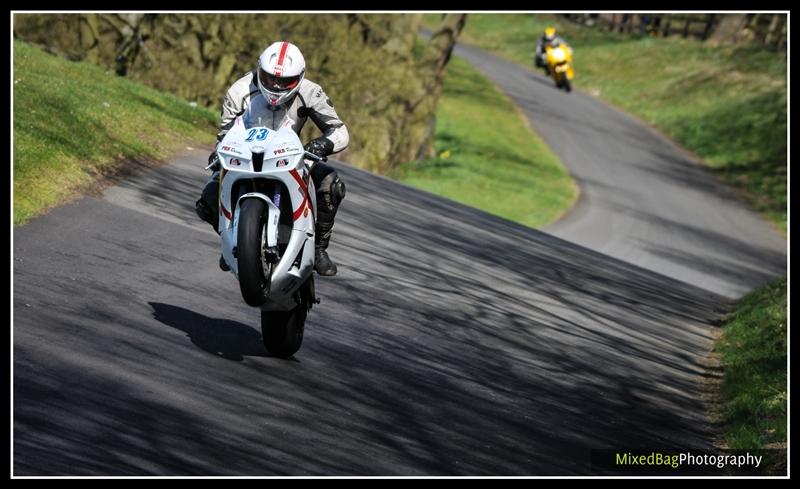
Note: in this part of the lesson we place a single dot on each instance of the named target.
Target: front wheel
(254, 271)
(567, 85)
(558, 79)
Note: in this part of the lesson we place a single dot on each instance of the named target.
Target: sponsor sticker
(280, 163)
(231, 149)
(235, 162)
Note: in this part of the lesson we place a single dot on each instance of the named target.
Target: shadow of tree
(452, 342)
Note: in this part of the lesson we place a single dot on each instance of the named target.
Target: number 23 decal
(262, 135)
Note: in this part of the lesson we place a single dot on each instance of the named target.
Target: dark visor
(277, 83)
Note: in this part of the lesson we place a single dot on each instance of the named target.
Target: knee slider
(338, 190)
(333, 190)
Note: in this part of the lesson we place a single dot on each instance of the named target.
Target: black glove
(321, 146)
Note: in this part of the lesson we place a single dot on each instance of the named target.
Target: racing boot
(322, 262)
(223, 265)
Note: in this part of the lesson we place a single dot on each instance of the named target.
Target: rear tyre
(282, 331)
(252, 280)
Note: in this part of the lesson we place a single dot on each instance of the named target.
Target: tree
(384, 78)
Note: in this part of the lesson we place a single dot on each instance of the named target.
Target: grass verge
(76, 122)
(727, 104)
(753, 352)
(488, 159)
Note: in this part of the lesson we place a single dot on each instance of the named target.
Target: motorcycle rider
(279, 83)
(549, 38)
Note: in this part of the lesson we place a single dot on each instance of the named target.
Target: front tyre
(558, 79)
(567, 85)
(253, 278)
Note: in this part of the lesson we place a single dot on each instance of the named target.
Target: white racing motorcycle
(267, 208)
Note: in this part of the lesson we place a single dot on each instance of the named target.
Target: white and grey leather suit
(310, 102)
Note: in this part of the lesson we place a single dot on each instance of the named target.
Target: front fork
(272, 253)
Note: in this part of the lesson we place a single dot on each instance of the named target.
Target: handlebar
(313, 157)
(214, 165)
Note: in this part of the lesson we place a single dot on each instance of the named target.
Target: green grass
(727, 104)
(753, 350)
(488, 159)
(74, 123)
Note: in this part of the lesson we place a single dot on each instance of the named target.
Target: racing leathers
(543, 42)
(310, 102)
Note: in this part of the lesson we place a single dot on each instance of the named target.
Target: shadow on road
(91, 422)
(221, 337)
(452, 342)
(543, 79)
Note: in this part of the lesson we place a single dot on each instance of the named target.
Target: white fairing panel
(282, 161)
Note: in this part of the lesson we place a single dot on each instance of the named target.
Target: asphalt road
(643, 199)
(452, 342)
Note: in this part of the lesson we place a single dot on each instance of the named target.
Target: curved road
(643, 199)
(452, 342)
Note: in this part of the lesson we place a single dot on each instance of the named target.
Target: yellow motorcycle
(559, 65)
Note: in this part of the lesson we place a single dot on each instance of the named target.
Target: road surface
(452, 342)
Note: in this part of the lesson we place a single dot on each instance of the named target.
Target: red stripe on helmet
(281, 57)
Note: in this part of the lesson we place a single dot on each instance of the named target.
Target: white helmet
(281, 68)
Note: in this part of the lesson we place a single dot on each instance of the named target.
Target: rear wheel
(282, 331)
(254, 271)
